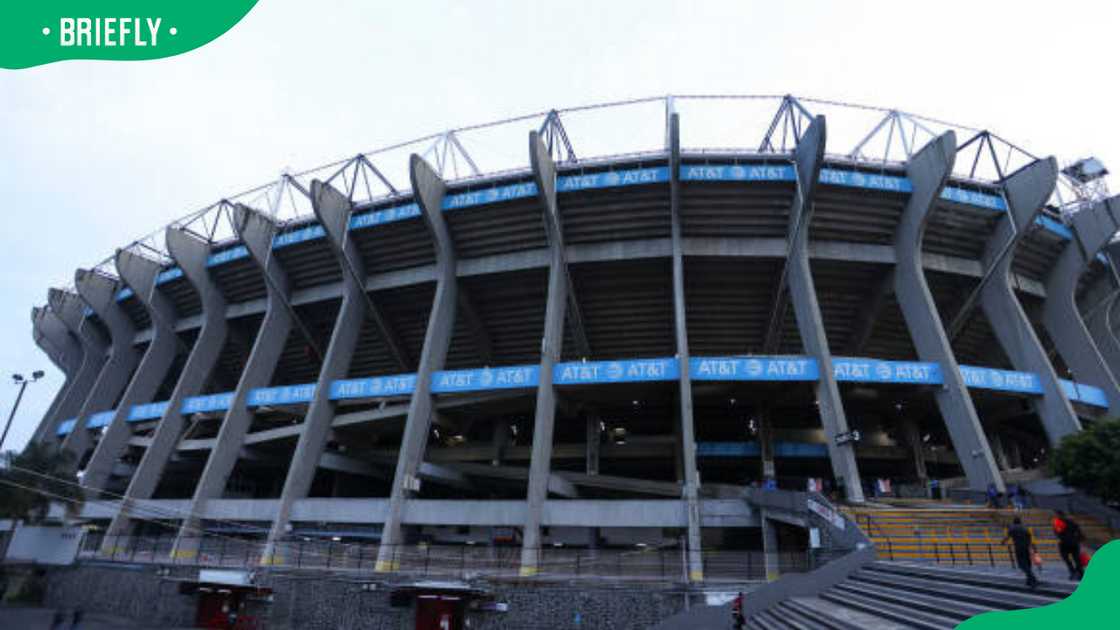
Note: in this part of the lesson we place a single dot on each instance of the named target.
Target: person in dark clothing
(1069, 543)
(1021, 538)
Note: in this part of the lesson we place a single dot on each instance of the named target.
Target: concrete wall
(308, 601)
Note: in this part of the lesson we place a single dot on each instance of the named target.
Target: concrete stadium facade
(578, 347)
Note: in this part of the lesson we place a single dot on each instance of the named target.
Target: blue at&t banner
(760, 368)
(100, 419)
(373, 387)
(496, 194)
(388, 215)
(282, 395)
(1002, 380)
(737, 173)
(66, 426)
(229, 255)
(1082, 393)
(974, 198)
(309, 233)
(513, 377)
(149, 411)
(870, 181)
(631, 371)
(612, 179)
(208, 402)
(859, 370)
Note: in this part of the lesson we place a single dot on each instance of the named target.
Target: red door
(213, 610)
(434, 612)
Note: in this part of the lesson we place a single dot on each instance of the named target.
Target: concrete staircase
(960, 534)
(886, 595)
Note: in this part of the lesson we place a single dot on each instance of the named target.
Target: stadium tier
(586, 351)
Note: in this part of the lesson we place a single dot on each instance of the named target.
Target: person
(1024, 544)
(1015, 497)
(993, 496)
(1069, 543)
(737, 619)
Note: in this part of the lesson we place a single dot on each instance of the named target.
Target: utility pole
(18, 379)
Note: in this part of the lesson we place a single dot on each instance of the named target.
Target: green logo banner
(35, 32)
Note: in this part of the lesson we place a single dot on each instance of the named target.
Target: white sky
(95, 154)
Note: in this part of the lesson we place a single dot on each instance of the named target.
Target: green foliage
(1090, 460)
(31, 480)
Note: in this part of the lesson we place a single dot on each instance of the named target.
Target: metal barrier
(461, 561)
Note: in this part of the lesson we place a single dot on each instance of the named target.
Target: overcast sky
(95, 154)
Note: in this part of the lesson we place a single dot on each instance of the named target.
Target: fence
(444, 561)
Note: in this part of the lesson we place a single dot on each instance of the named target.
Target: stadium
(597, 343)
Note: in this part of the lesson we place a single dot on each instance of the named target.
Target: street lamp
(18, 379)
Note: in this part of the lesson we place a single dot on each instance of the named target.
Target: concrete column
(499, 439)
(766, 445)
(803, 293)
(256, 232)
(913, 436)
(770, 548)
(139, 273)
(68, 308)
(928, 171)
(1101, 323)
(428, 190)
(333, 211)
(540, 464)
(1027, 192)
(1092, 228)
(190, 253)
(997, 449)
(100, 293)
(64, 350)
(593, 435)
(691, 489)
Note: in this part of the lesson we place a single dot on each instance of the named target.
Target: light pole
(18, 379)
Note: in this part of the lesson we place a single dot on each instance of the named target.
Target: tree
(30, 481)
(1090, 460)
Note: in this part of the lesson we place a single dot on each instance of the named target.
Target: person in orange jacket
(1069, 543)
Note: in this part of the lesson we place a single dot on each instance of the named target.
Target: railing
(461, 561)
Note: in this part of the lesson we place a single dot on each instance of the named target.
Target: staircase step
(994, 597)
(900, 614)
(843, 617)
(1050, 590)
(919, 601)
(812, 618)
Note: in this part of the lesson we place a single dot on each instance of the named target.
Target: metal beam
(1027, 192)
(928, 171)
(429, 191)
(139, 273)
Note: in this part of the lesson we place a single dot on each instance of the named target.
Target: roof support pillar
(190, 254)
(1026, 192)
(256, 232)
(333, 211)
(928, 171)
(429, 190)
(552, 342)
(100, 293)
(1102, 321)
(1092, 228)
(807, 159)
(66, 352)
(69, 308)
(139, 274)
(690, 491)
